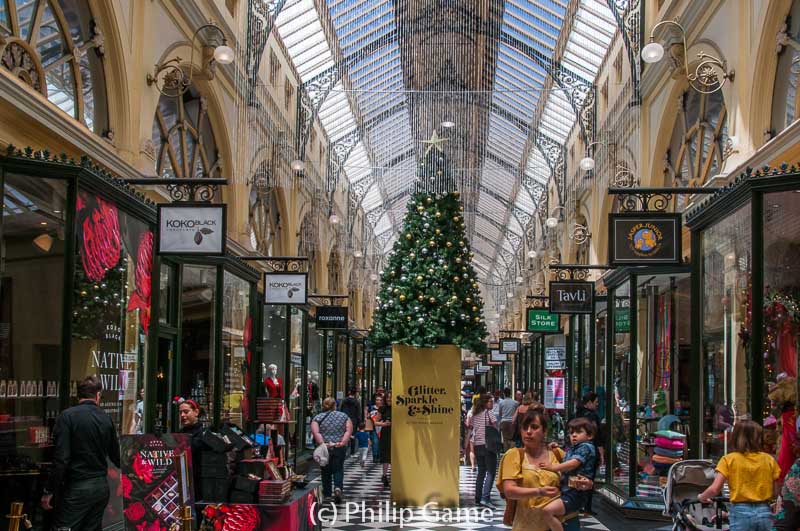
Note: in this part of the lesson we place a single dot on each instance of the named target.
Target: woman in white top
(487, 460)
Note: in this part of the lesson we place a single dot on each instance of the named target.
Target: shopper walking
(351, 406)
(189, 413)
(370, 413)
(85, 439)
(752, 477)
(362, 438)
(384, 421)
(526, 486)
(527, 403)
(483, 417)
(588, 410)
(332, 428)
(508, 406)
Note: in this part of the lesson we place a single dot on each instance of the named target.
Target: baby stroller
(685, 480)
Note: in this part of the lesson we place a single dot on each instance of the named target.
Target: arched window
(265, 219)
(696, 149)
(307, 246)
(785, 94)
(183, 138)
(57, 49)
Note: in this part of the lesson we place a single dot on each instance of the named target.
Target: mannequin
(314, 386)
(273, 383)
(296, 391)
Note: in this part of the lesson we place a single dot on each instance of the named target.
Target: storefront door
(166, 384)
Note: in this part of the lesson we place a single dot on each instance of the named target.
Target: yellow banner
(426, 390)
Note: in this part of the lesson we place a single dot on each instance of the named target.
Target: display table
(297, 513)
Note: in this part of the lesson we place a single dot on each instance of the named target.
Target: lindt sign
(571, 297)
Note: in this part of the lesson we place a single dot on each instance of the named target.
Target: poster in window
(554, 393)
(156, 479)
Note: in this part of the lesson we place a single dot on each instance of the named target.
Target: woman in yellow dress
(523, 482)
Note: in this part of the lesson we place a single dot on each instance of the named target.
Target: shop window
(237, 329)
(781, 329)
(31, 272)
(264, 214)
(620, 418)
(696, 150)
(785, 96)
(111, 306)
(184, 139)
(56, 48)
(727, 266)
(198, 340)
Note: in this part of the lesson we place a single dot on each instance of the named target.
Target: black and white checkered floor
(363, 485)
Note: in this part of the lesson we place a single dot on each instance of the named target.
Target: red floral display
(125, 486)
(232, 517)
(134, 512)
(140, 298)
(101, 239)
(151, 526)
(142, 469)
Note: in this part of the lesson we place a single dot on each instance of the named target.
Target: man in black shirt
(352, 407)
(84, 438)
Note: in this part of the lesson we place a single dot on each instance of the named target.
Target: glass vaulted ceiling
(524, 41)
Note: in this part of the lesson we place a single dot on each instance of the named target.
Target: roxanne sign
(191, 229)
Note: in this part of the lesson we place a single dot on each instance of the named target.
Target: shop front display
(749, 297)
(649, 380)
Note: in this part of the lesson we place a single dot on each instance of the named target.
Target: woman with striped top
(487, 460)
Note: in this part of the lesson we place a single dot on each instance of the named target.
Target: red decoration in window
(101, 241)
(140, 298)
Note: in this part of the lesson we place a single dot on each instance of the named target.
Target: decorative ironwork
(316, 299)
(623, 178)
(338, 154)
(281, 264)
(644, 202)
(580, 234)
(261, 15)
(537, 300)
(192, 191)
(628, 14)
(23, 65)
(557, 273)
(555, 154)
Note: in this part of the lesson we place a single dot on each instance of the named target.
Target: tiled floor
(364, 490)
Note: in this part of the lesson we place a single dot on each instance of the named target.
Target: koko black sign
(332, 318)
(644, 238)
(571, 297)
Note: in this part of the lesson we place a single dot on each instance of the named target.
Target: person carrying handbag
(485, 437)
(333, 429)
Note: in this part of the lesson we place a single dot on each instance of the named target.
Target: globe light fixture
(587, 163)
(297, 165)
(532, 254)
(519, 279)
(653, 52)
(334, 219)
(551, 222)
(358, 254)
(223, 54)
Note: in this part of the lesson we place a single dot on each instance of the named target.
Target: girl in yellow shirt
(752, 479)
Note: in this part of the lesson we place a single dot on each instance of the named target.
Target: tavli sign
(572, 296)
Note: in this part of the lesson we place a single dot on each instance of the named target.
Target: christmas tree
(429, 290)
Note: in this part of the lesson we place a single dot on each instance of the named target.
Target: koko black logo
(198, 236)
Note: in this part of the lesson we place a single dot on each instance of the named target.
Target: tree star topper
(435, 142)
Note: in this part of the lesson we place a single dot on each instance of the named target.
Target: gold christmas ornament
(446, 267)
(420, 298)
(461, 243)
(456, 219)
(412, 255)
(428, 200)
(449, 244)
(420, 208)
(430, 271)
(454, 297)
(475, 285)
(474, 308)
(431, 243)
(408, 236)
(408, 317)
(458, 260)
(402, 298)
(438, 232)
(456, 195)
(463, 225)
(432, 300)
(468, 299)
(477, 319)
(419, 278)
(396, 291)
(438, 214)
(456, 278)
